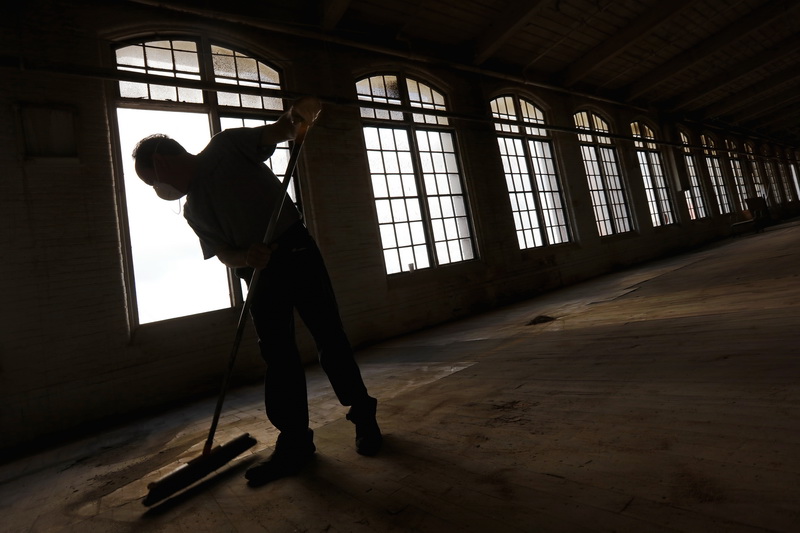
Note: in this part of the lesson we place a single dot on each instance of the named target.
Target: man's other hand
(258, 255)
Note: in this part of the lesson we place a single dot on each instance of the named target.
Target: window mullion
(537, 204)
(422, 191)
(612, 218)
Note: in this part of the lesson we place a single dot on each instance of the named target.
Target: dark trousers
(296, 278)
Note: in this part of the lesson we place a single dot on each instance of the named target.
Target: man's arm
(304, 110)
(257, 256)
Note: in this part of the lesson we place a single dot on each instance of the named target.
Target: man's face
(147, 175)
(159, 176)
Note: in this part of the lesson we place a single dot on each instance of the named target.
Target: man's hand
(303, 113)
(305, 109)
(258, 255)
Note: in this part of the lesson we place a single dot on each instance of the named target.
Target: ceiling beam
(505, 25)
(621, 41)
(740, 99)
(745, 68)
(787, 118)
(332, 12)
(761, 16)
(766, 106)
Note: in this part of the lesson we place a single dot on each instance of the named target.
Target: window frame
(421, 121)
(207, 84)
(714, 169)
(737, 172)
(526, 130)
(652, 167)
(591, 139)
(695, 196)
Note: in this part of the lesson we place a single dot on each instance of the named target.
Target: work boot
(368, 434)
(292, 453)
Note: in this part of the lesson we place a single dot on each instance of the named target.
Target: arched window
(167, 275)
(534, 188)
(755, 172)
(694, 194)
(715, 173)
(794, 170)
(420, 198)
(655, 182)
(780, 164)
(773, 190)
(737, 172)
(602, 171)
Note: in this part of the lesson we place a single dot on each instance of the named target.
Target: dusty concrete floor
(663, 398)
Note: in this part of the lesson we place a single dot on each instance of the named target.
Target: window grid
(533, 186)
(655, 183)
(715, 173)
(172, 59)
(784, 178)
(694, 195)
(755, 173)
(602, 172)
(397, 201)
(795, 178)
(422, 96)
(447, 209)
(772, 180)
(551, 201)
(523, 208)
(416, 180)
(194, 60)
(738, 174)
(380, 89)
(234, 68)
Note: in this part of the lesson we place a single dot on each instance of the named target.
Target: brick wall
(68, 357)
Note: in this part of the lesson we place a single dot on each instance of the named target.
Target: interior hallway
(662, 398)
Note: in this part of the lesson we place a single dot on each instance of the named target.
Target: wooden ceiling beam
(787, 119)
(621, 41)
(761, 16)
(766, 106)
(784, 49)
(741, 99)
(507, 23)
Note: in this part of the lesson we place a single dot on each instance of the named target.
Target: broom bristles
(196, 469)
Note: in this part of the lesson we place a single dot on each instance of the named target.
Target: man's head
(163, 163)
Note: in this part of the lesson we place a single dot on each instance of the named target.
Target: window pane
(167, 260)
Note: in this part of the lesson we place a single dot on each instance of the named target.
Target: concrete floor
(663, 398)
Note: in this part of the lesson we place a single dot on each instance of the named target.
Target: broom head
(196, 469)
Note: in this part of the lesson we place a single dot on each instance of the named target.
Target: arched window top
(398, 90)
(587, 120)
(513, 113)
(685, 141)
(184, 59)
(641, 130)
(709, 145)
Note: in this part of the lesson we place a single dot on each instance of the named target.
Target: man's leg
(315, 300)
(285, 393)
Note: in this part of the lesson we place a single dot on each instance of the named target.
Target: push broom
(214, 457)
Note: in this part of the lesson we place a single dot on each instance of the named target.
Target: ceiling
(732, 63)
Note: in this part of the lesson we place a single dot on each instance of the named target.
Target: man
(230, 196)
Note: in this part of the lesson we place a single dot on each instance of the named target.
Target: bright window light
(172, 279)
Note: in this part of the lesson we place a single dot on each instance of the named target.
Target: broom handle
(295, 154)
